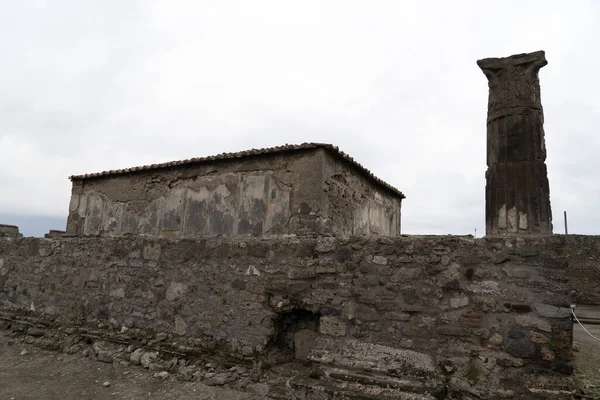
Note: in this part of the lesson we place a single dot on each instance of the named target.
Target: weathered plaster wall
(487, 317)
(256, 196)
(356, 206)
(251, 196)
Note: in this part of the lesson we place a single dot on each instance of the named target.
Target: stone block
(521, 348)
(332, 326)
(459, 301)
(538, 338)
(379, 260)
(533, 322)
(304, 341)
(548, 311)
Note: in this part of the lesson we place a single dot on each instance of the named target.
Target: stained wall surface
(262, 195)
(356, 206)
(487, 316)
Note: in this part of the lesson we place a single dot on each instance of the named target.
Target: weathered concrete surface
(517, 189)
(287, 193)
(487, 315)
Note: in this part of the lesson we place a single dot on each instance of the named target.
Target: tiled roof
(240, 154)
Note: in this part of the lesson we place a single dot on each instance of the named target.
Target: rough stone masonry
(446, 316)
(517, 192)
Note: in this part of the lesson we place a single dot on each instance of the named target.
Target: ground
(30, 373)
(587, 358)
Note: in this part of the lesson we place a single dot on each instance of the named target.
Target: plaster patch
(512, 220)
(252, 271)
(522, 220)
(74, 203)
(502, 217)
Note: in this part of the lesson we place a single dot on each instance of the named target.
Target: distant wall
(485, 315)
(9, 231)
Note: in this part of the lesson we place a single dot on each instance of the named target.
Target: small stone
(86, 352)
(325, 245)
(147, 359)
(398, 316)
(158, 366)
(533, 322)
(260, 389)
(162, 375)
(161, 337)
(106, 384)
(537, 337)
(185, 373)
(458, 302)
(35, 332)
(380, 260)
(496, 339)
(24, 353)
(217, 380)
(136, 356)
(247, 350)
(105, 356)
(547, 354)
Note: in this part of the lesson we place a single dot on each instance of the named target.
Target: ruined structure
(9, 231)
(517, 191)
(368, 317)
(308, 189)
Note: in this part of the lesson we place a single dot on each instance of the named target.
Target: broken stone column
(517, 193)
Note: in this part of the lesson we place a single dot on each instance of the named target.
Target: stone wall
(488, 317)
(272, 194)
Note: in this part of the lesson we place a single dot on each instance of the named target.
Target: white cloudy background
(94, 85)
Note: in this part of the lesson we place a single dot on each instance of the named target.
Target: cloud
(90, 86)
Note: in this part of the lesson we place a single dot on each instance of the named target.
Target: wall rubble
(486, 316)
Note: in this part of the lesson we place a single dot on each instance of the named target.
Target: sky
(87, 86)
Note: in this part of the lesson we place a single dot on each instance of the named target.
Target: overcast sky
(87, 86)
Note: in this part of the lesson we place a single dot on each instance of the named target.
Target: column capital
(513, 83)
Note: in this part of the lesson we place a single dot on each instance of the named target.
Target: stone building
(307, 189)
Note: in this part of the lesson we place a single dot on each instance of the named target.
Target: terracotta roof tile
(227, 156)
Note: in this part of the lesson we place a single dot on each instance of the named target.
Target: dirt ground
(36, 374)
(587, 359)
